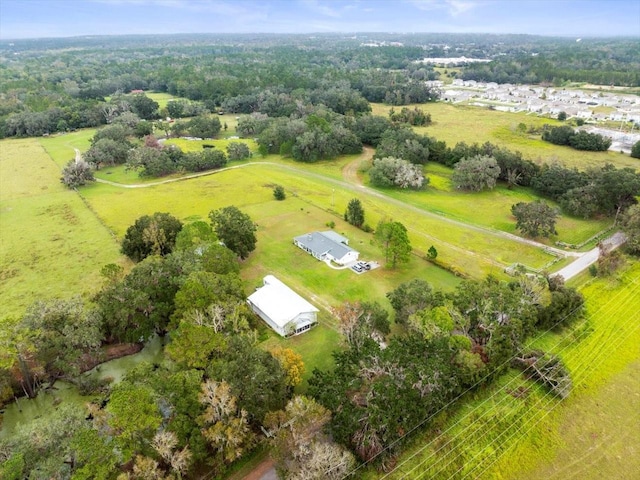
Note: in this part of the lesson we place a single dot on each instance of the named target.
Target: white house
(327, 245)
(283, 309)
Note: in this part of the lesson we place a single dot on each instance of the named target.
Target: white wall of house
(348, 258)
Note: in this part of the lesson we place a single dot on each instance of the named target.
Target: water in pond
(25, 410)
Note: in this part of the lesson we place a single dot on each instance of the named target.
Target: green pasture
(603, 415)
(489, 208)
(517, 430)
(307, 208)
(52, 245)
(596, 442)
(61, 147)
(250, 188)
(161, 98)
(469, 124)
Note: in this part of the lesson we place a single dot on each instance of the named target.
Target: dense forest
(59, 84)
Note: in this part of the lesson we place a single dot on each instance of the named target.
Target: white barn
(283, 309)
(327, 246)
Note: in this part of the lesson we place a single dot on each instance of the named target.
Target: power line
(501, 390)
(479, 382)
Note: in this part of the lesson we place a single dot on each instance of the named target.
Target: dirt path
(350, 174)
(350, 170)
(265, 470)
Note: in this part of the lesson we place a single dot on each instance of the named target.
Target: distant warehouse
(327, 246)
(283, 309)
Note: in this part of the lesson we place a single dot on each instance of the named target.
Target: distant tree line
(45, 91)
(596, 61)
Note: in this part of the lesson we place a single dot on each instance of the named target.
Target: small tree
(432, 253)
(279, 193)
(535, 218)
(354, 213)
(392, 237)
(238, 151)
(75, 174)
(562, 116)
(635, 150)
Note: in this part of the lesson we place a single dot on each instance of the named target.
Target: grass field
(517, 430)
(52, 245)
(490, 208)
(161, 98)
(459, 123)
(250, 188)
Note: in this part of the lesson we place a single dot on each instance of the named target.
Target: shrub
(279, 193)
(75, 174)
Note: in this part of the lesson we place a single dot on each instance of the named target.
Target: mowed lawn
(51, 244)
(469, 124)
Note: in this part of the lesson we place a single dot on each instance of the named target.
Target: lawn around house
(250, 189)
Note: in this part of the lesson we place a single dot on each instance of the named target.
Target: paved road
(590, 257)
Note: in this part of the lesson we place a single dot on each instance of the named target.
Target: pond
(24, 410)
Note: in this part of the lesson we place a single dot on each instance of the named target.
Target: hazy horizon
(33, 19)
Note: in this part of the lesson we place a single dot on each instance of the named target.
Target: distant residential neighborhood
(592, 107)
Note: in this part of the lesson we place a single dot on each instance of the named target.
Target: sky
(67, 18)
